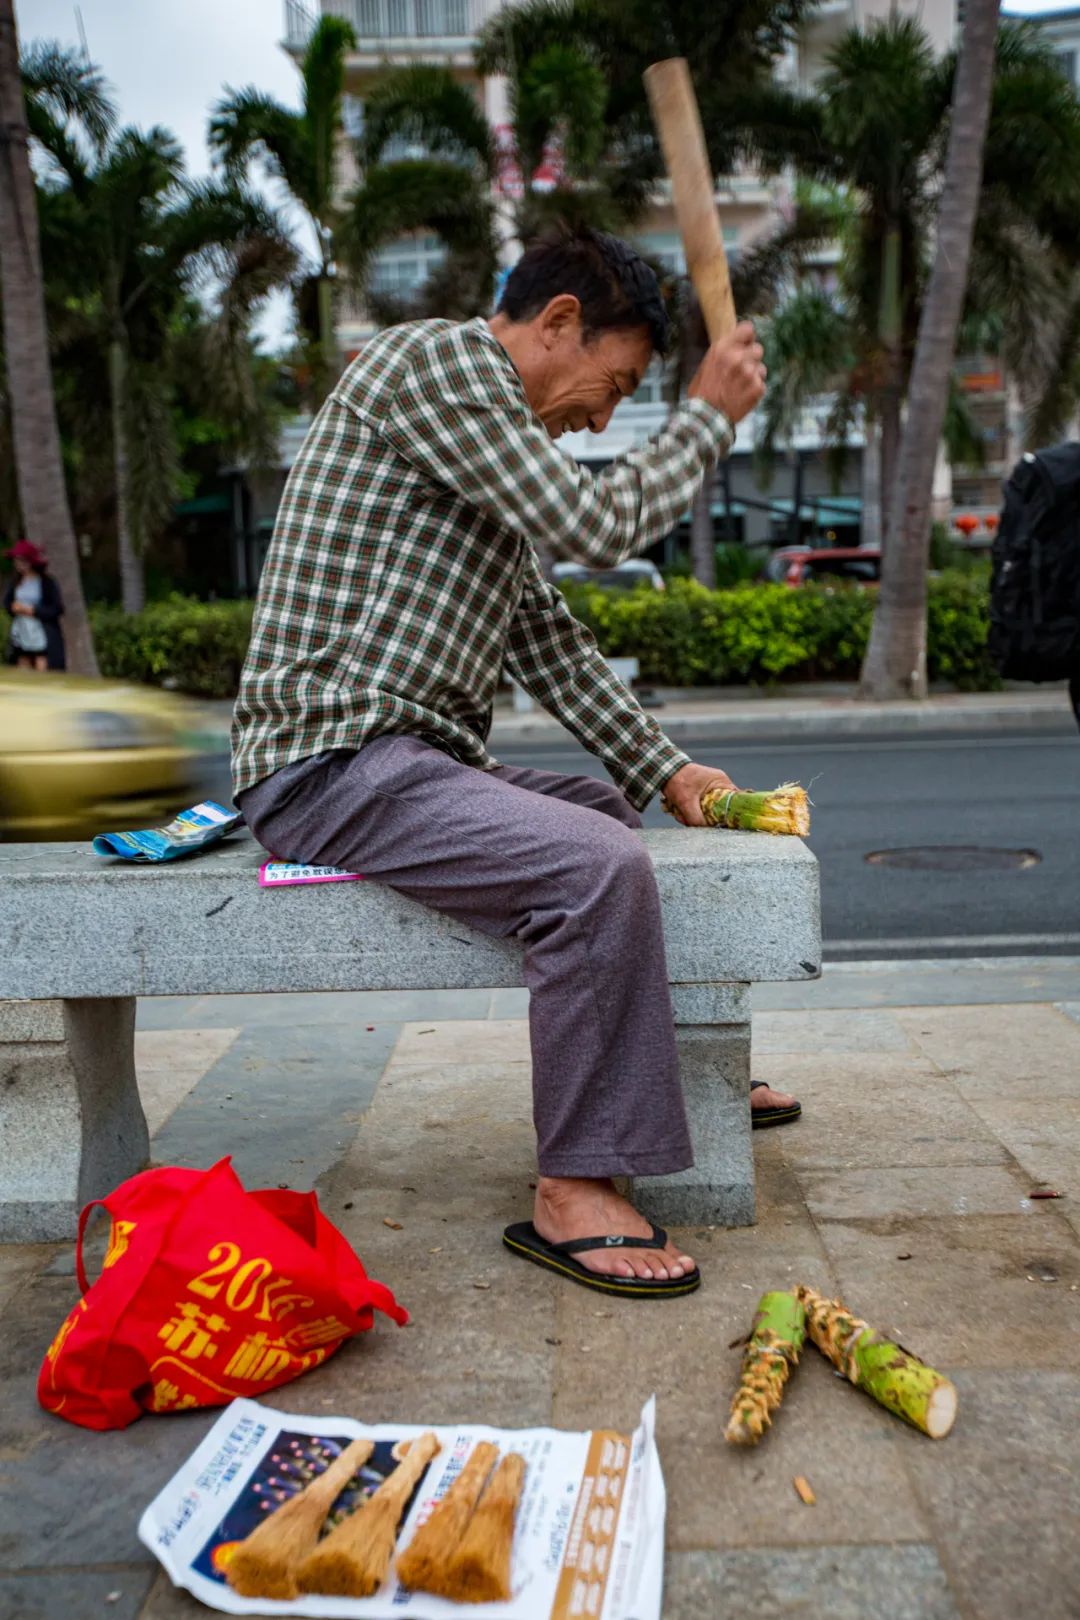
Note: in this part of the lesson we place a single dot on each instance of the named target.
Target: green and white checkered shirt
(401, 578)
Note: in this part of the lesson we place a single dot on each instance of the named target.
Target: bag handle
(80, 1268)
(379, 1296)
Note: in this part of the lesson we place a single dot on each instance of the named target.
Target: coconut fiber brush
(479, 1571)
(785, 810)
(353, 1559)
(422, 1566)
(265, 1564)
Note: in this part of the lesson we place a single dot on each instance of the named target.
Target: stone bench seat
(81, 938)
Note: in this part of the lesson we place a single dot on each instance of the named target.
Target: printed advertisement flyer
(589, 1534)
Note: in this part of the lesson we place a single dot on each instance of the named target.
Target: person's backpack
(1035, 582)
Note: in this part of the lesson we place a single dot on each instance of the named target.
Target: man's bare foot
(571, 1207)
(766, 1097)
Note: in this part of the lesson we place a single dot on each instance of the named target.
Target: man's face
(583, 380)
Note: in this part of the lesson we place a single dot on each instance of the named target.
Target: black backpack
(1035, 583)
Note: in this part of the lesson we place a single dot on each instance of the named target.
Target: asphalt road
(986, 793)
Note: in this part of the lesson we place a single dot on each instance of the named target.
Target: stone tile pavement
(904, 1188)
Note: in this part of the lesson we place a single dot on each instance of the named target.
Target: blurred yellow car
(79, 756)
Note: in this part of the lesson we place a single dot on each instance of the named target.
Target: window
(411, 19)
(651, 388)
(1066, 61)
(402, 268)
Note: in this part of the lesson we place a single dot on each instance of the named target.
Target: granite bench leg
(712, 1032)
(71, 1123)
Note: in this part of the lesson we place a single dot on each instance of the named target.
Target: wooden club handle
(682, 140)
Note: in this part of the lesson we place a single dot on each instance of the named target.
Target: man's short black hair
(617, 290)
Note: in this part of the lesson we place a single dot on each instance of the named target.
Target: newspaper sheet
(588, 1542)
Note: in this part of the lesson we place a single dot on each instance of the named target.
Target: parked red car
(798, 565)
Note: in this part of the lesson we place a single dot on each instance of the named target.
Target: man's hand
(683, 791)
(732, 376)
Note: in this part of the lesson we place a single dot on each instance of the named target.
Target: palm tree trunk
(327, 338)
(39, 468)
(889, 448)
(703, 535)
(890, 329)
(132, 575)
(895, 663)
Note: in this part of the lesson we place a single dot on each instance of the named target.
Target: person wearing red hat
(33, 600)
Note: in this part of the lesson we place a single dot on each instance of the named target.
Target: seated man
(400, 582)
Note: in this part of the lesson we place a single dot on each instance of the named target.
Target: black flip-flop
(525, 1240)
(762, 1118)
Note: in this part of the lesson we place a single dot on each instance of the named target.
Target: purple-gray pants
(552, 860)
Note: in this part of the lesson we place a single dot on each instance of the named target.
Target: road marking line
(868, 745)
(948, 942)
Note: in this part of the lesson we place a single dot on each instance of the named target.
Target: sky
(167, 61)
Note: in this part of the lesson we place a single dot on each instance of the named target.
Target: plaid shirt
(401, 577)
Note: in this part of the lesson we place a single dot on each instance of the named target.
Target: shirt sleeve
(557, 661)
(468, 427)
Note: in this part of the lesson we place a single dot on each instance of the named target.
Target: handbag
(206, 1292)
(28, 634)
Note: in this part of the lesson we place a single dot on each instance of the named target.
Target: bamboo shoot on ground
(892, 1375)
(776, 1340)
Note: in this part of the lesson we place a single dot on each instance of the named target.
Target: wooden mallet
(693, 191)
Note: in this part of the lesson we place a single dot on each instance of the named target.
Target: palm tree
(51, 86)
(300, 149)
(895, 662)
(126, 239)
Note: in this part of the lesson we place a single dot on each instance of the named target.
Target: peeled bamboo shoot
(892, 1375)
(776, 1340)
(785, 810)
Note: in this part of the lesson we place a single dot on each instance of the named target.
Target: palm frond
(426, 195)
(215, 229)
(421, 194)
(776, 128)
(70, 89)
(561, 91)
(324, 84)
(809, 352)
(517, 33)
(761, 272)
(1017, 286)
(427, 105)
(153, 457)
(1055, 402)
(961, 432)
(55, 140)
(247, 124)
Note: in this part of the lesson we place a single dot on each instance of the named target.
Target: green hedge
(688, 636)
(192, 646)
(684, 636)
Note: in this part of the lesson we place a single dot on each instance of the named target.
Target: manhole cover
(955, 858)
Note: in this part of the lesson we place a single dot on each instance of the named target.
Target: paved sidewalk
(758, 714)
(904, 1188)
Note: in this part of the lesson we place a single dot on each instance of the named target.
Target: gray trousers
(551, 860)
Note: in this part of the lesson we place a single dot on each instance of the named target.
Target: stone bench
(81, 938)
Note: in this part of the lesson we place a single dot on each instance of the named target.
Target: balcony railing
(380, 23)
